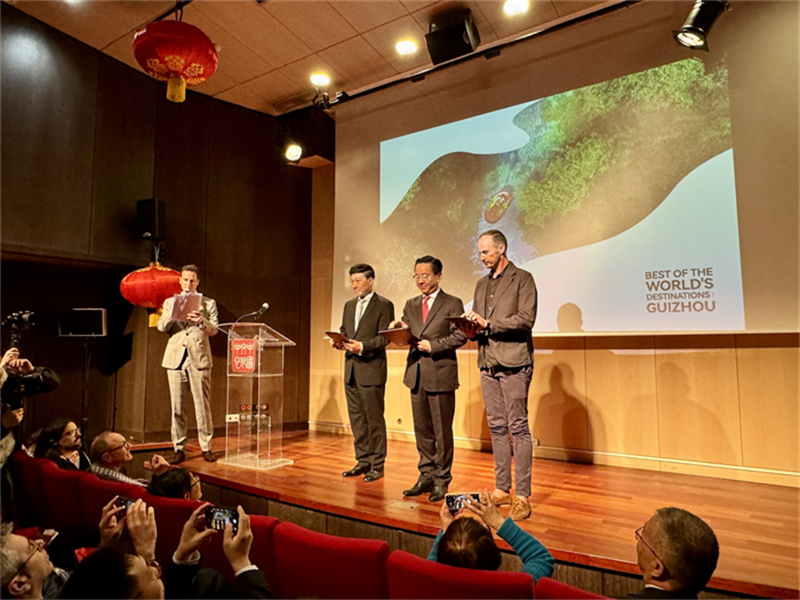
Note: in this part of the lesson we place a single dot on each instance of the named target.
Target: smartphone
(217, 518)
(455, 502)
(124, 502)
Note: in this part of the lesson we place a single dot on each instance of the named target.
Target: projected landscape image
(563, 177)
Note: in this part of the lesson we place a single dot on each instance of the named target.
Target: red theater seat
(261, 553)
(31, 504)
(62, 491)
(171, 516)
(315, 565)
(414, 577)
(96, 493)
(550, 588)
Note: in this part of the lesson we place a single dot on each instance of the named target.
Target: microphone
(257, 313)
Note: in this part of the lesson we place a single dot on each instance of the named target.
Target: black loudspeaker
(450, 38)
(82, 322)
(151, 216)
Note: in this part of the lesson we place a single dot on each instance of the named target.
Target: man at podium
(188, 361)
(365, 371)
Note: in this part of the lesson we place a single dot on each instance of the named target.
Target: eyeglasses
(126, 445)
(423, 277)
(35, 546)
(195, 482)
(73, 432)
(638, 534)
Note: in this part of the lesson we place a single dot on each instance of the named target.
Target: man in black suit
(365, 371)
(677, 553)
(432, 376)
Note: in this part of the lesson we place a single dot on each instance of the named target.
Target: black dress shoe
(419, 488)
(438, 493)
(208, 456)
(373, 475)
(179, 457)
(357, 470)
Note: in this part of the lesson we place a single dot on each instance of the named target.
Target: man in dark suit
(503, 313)
(677, 553)
(365, 371)
(432, 376)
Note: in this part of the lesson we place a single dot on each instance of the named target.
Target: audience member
(61, 441)
(111, 452)
(677, 553)
(26, 570)
(18, 379)
(467, 542)
(176, 482)
(115, 572)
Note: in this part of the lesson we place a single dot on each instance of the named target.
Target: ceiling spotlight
(405, 47)
(702, 17)
(515, 7)
(293, 152)
(320, 79)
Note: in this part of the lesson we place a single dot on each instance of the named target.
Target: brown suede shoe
(501, 500)
(520, 509)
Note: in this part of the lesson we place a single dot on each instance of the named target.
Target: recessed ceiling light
(516, 7)
(320, 79)
(405, 47)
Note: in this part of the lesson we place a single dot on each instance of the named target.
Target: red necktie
(425, 308)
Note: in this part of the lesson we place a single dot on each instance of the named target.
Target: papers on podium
(184, 304)
(399, 336)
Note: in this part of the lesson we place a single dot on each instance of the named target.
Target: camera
(456, 502)
(19, 321)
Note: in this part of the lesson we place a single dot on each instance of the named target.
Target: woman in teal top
(467, 542)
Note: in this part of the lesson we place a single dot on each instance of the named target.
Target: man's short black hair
(173, 483)
(105, 573)
(435, 263)
(192, 268)
(688, 546)
(364, 268)
(468, 543)
(497, 237)
(47, 442)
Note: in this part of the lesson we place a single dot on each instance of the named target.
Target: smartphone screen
(124, 502)
(217, 518)
(455, 502)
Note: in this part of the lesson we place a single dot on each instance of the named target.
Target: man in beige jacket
(188, 361)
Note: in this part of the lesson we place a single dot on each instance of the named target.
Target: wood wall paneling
(124, 160)
(557, 401)
(49, 96)
(769, 396)
(698, 399)
(621, 395)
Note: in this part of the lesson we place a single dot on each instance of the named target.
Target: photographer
(19, 379)
(466, 541)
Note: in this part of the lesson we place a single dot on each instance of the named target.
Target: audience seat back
(30, 502)
(97, 492)
(261, 553)
(315, 565)
(171, 516)
(550, 588)
(62, 491)
(413, 577)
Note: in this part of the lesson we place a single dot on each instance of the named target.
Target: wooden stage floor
(584, 514)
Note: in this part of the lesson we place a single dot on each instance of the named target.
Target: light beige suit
(188, 361)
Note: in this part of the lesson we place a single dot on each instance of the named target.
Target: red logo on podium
(243, 356)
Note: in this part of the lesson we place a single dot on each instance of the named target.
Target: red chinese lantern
(175, 52)
(149, 287)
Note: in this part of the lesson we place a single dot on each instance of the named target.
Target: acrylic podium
(254, 411)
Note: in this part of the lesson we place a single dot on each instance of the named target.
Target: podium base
(252, 461)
